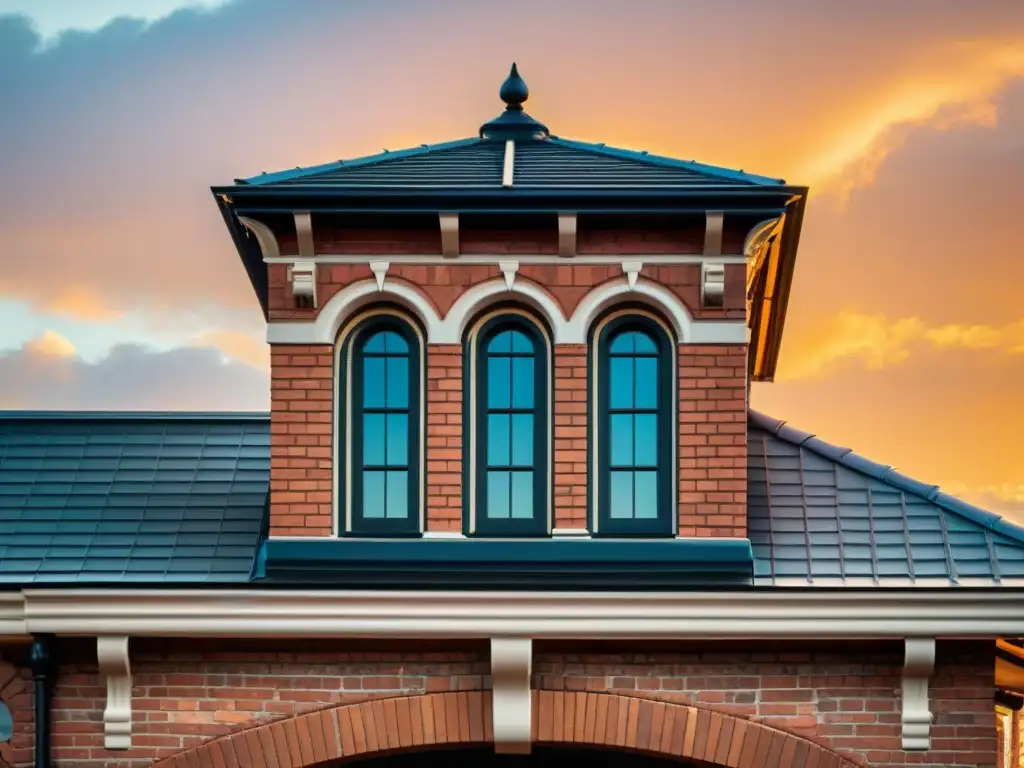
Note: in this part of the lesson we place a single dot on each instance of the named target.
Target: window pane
(522, 495)
(622, 440)
(398, 495)
(373, 382)
(398, 440)
(398, 382)
(522, 382)
(521, 342)
(620, 384)
(373, 439)
(522, 439)
(375, 343)
(394, 343)
(498, 439)
(646, 440)
(501, 343)
(497, 495)
(498, 381)
(622, 344)
(644, 344)
(373, 494)
(646, 382)
(646, 489)
(621, 496)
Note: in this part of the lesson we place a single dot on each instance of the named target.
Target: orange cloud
(954, 86)
(877, 342)
(81, 303)
(237, 346)
(50, 344)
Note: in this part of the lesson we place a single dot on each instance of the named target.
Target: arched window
(379, 475)
(508, 477)
(633, 428)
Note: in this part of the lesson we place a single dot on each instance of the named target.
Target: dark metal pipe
(41, 665)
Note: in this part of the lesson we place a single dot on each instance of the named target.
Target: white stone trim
(112, 656)
(511, 668)
(304, 234)
(570, 533)
(566, 235)
(380, 272)
(478, 297)
(876, 613)
(713, 231)
(632, 272)
(508, 271)
(450, 329)
(449, 223)
(916, 718)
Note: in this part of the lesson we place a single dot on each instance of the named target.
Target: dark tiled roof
(539, 163)
(143, 498)
(822, 515)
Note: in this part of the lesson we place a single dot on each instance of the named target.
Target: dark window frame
(350, 449)
(665, 522)
(476, 398)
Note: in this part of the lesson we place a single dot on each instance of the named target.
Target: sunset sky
(120, 288)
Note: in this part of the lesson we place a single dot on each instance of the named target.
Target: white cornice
(429, 614)
(493, 258)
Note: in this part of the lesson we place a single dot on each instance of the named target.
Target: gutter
(707, 615)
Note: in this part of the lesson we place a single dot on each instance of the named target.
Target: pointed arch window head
(508, 437)
(633, 427)
(381, 384)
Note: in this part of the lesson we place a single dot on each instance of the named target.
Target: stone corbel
(632, 270)
(508, 270)
(112, 655)
(511, 670)
(712, 284)
(302, 275)
(918, 666)
(380, 271)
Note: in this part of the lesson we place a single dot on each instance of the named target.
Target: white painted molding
(632, 270)
(264, 236)
(449, 234)
(566, 234)
(712, 284)
(112, 655)
(511, 669)
(918, 666)
(508, 271)
(304, 234)
(713, 229)
(873, 612)
(302, 275)
(380, 271)
(478, 297)
(12, 614)
(508, 169)
(450, 329)
(570, 533)
(443, 535)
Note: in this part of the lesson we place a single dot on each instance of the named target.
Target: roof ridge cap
(887, 474)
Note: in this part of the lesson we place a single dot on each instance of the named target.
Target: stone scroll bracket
(511, 670)
(918, 666)
(112, 655)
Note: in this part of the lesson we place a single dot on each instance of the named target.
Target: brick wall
(301, 429)
(570, 436)
(712, 440)
(444, 437)
(845, 697)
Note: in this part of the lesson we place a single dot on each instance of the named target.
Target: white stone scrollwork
(112, 655)
(511, 669)
(918, 666)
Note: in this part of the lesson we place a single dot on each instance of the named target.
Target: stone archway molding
(410, 723)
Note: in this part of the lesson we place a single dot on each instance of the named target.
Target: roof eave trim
(721, 614)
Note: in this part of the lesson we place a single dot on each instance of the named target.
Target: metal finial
(514, 90)
(514, 123)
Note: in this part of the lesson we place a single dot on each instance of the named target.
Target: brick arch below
(406, 724)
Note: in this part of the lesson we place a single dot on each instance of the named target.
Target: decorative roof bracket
(715, 223)
(449, 234)
(304, 234)
(511, 670)
(918, 666)
(567, 234)
(112, 655)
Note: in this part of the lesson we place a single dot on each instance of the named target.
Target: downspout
(41, 666)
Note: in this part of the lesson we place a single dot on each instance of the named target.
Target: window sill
(615, 564)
